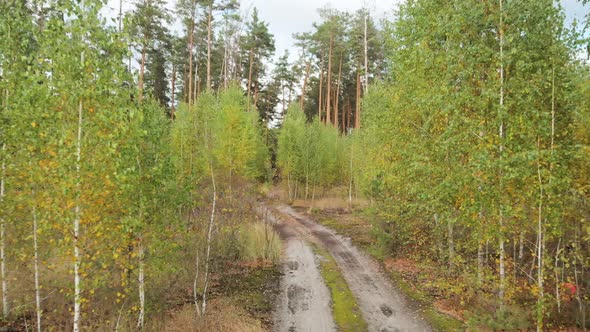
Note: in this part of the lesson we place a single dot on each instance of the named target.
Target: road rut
(304, 304)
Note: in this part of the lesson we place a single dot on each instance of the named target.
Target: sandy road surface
(304, 304)
(383, 306)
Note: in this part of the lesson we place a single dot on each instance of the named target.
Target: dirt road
(304, 304)
(383, 307)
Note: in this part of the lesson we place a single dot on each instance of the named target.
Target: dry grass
(333, 199)
(259, 241)
(221, 316)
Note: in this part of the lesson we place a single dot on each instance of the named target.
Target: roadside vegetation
(133, 157)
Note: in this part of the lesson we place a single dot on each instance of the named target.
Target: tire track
(304, 303)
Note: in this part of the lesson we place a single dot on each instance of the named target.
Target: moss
(345, 310)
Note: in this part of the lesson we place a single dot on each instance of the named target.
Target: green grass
(345, 309)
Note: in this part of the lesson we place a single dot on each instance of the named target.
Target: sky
(286, 17)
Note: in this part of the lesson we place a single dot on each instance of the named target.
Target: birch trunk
(479, 264)
(540, 252)
(501, 136)
(120, 16)
(502, 291)
(209, 239)
(520, 246)
(77, 217)
(557, 283)
(141, 280)
(5, 304)
(38, 310)
(195, 290)
(451, 244)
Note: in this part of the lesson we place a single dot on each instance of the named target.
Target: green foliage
(469, 142)
(219, 132)
(310, 154)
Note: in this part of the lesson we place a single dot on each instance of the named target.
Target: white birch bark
(501, 221)
(141, 280)
(77, 217)
(209, 240)
(5, 304)
(38, 309)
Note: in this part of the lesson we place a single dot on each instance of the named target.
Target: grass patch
(345, 310)
(259, 241)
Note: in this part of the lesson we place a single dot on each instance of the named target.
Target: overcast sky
(286, 17)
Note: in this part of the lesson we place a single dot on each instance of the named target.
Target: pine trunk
(249, 87)
(190, 62)
(320, 91)
(141, 72)
(173, 94)
(366, 44)
(350, 176)
(307, 71)
(336, 97)
(357, 116)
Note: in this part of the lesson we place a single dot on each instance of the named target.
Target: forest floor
(382, 306)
